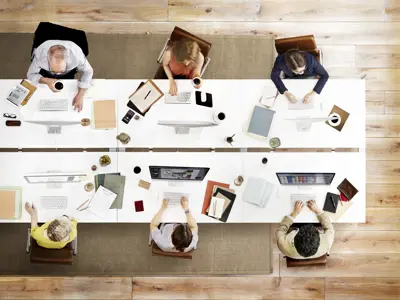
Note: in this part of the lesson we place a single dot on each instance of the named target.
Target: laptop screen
(305, 178)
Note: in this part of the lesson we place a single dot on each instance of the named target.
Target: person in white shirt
(54, 60)
(175, 237)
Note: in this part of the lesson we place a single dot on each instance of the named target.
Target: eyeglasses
(11, 116)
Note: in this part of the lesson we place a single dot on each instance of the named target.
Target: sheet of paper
(104, 114)
(101, 202)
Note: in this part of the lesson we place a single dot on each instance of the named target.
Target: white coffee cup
(196, 82)
(219, 116)
(335, 122)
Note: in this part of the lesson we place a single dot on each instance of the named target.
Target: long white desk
(224, 167)
(15, 165)
(30, 135)
(234, 97)
(237, 99)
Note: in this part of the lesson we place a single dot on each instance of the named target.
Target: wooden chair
(303, 43)
(319, 261)
(177, 34)
(39, 254)
(155, 251)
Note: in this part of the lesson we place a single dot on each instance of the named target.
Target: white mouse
(203, 97)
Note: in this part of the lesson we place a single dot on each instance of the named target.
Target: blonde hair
(59, 229)
(185, 49)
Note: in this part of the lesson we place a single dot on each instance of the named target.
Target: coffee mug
(58, 85)
(335, 122)
(219, 116)
(196, 82)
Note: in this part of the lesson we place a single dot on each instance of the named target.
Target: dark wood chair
(177, 34)
(303, 43)
(39, 254)
(155, 251)
(319, 261)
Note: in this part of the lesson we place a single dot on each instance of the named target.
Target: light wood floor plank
(338, 56)
(65, 288)
(383, 219)
(383, 148)
(249, 287)
(375, 102)
(371, 56)
(383, 195)
(349, 265)
(383, 126)
(269, 10)
(362, 288)
(392, 10)
(392, 102)
(383, 171)
(382, 79)
(366, 242)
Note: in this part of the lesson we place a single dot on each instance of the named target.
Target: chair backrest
(49, 31)
(303, 43)
(56, 256)
(319, 261)
(179, 33)
(158, 252)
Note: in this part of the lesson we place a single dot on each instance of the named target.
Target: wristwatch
(187, 211)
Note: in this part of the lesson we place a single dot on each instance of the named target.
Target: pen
(333, 202)
(80, 206)
(147, 94)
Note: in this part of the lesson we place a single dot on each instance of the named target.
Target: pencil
(80, 206)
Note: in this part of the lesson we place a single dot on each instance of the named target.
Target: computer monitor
(183, 127)
(55, 177)
(304, 123)
(305, 178)
(53, 127)
(178, 173)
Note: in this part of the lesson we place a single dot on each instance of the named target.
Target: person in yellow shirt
(55, 234)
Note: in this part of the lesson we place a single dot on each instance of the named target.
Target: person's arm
(173, 89)
(323, 76)
(327, 227)
(275, 76)
(190, 219)
(155, 222)
(87, 73)
(199, 66)
(33, 71)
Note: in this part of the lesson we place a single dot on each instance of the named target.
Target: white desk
(225, 167)
(73, 136)
(237, 99)
(15, 165)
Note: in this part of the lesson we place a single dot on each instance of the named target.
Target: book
(144, 97)
(347, 189)
(116, 184)
(104, 114)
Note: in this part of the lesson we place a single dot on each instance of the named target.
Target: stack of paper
(10, 203)
(104, 114)
(101, 202)
(222, 199)
(258, 191)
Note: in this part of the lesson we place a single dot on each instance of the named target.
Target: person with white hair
(56, 60)
(55, 234)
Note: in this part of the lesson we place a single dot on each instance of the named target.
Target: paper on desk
(104, 114)
(101, 202)
(216, 207)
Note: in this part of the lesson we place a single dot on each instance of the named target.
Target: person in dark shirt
(297, 64)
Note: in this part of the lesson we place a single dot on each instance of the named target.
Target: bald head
(57, 56)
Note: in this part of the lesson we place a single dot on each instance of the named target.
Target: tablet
(260, 121)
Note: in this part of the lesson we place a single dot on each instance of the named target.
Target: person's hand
(164, 204)
(50, 83)
(173, 89)
(308, 97)
(77, 103)
(312, 205)
(290, 96)
(31, 209)
(185, 203)
(298, 207)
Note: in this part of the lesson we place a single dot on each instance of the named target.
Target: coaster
(342, 116)
(144, 184)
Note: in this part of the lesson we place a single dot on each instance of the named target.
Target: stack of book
(218, 200)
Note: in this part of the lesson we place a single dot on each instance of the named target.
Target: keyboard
(54, 202)
(302, 197)
(174, 198)
(54, 104)
(180, 98)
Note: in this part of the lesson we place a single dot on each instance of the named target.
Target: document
(216, 207)
(101, 202)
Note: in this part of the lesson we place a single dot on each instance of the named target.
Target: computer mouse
(203, 97)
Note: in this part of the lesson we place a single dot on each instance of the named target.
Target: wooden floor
(360, 39)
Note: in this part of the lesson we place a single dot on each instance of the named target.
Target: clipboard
(144, 97)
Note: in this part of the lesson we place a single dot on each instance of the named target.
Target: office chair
(303, 43)
(318, 261)
(156, 251)
(49, 31)
(177, 34)
(56, 256)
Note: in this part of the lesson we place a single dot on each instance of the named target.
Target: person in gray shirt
(55, 60)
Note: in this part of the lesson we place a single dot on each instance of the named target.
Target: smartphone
(128, 116)
(13, 123)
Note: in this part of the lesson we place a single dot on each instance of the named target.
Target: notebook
(258, 191)
(331, 202)
(104, 114)
(347, 189)
(260, 122)
(10, 203)
(99, 179)
(116, 184)
(209, 192)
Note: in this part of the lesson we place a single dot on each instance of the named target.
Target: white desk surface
(225, 167)
(15, 165)
(237, 99)
(73, 136)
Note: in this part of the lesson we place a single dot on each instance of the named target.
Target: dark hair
(294, 59)
(307, 240)
(181, 237)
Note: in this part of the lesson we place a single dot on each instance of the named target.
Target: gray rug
(122, 249)
(123, 56)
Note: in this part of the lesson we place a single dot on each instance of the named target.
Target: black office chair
(49, 31)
